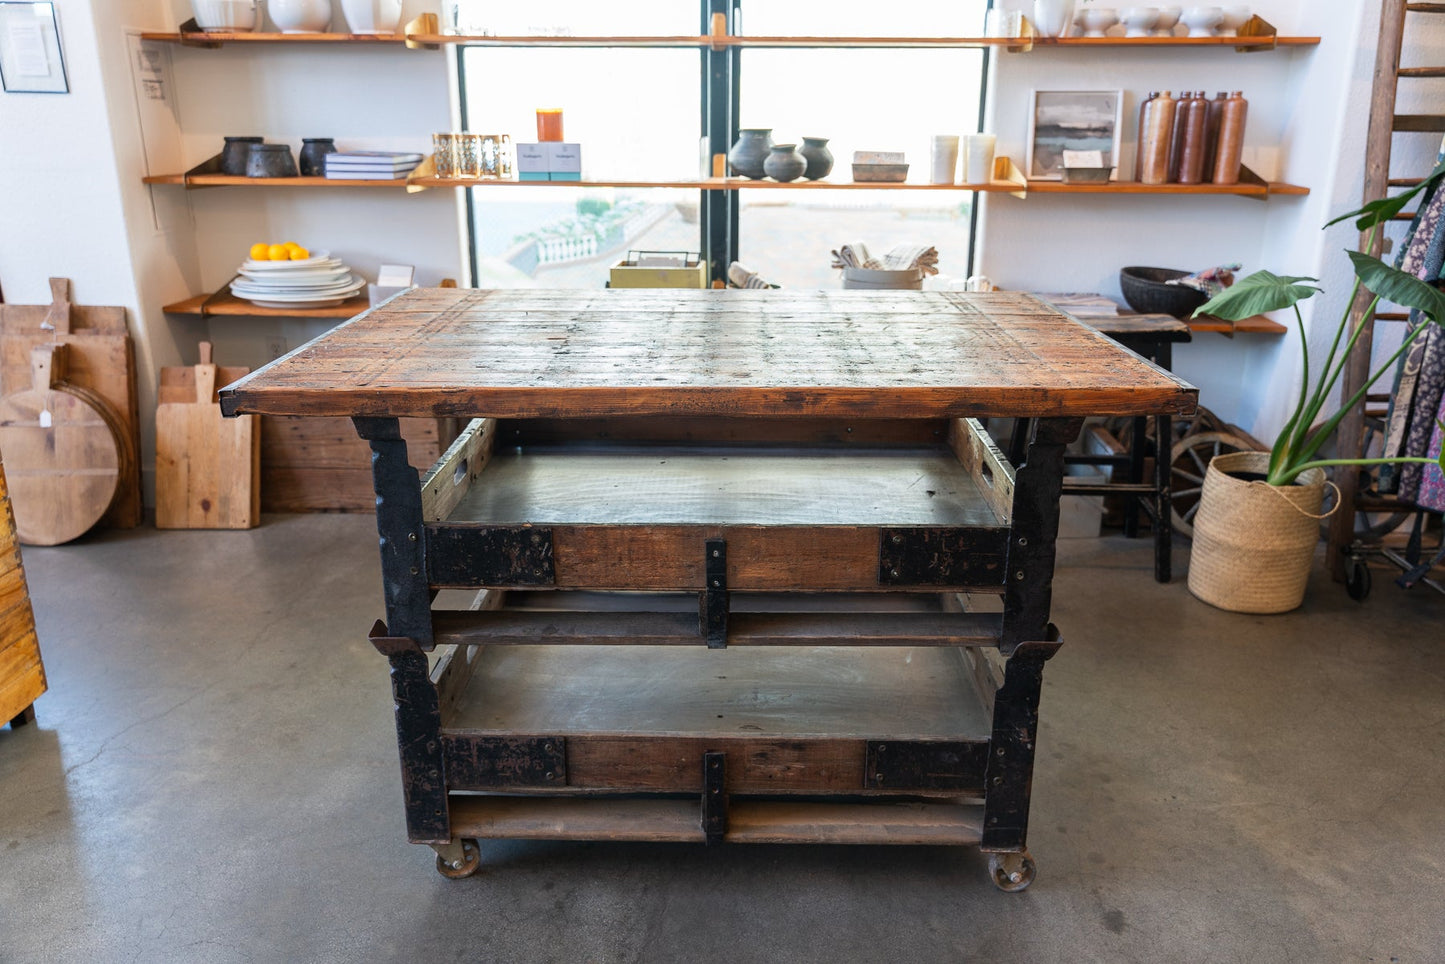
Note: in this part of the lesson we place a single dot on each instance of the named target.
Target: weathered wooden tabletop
(547, 353)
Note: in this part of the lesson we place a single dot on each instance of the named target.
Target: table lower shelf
(749, 821)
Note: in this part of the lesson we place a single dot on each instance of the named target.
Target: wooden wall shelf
(231, 180)
(225, 304)
(424, 32)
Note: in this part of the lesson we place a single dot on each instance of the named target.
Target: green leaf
(1392, 284)
(1383, 209)
(1260, 292)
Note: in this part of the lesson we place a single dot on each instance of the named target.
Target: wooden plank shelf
(232, 180)
(676, 821)
(1242, 189)
(225, 304)
(724, 184)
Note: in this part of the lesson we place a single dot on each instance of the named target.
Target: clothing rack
(1345, 554)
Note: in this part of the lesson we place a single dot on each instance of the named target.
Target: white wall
(1308, 112)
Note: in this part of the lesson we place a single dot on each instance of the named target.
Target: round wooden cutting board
(63, 475)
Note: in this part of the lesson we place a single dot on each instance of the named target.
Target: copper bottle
(1193, 129)
(1231, 139)
(1156, 125)
(1176, 134)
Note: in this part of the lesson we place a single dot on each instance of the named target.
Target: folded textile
(741, 276)
(901, 258)
(1211, 281)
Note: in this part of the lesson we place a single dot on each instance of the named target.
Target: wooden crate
(321, 465)
(22, 677)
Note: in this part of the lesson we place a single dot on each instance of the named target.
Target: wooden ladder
(1384, 122)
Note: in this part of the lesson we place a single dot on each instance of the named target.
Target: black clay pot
(784, 163)
(233, 155)
(751, 150)
(820, 159)
(1146, 291)
(313, 155)
(270, 160)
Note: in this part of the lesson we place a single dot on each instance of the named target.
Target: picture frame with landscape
(1072, 120)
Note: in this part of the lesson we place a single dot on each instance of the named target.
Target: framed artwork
(1072, 120)
(30, 58)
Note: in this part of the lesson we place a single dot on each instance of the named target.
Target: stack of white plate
(319, 281)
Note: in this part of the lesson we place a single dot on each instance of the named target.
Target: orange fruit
(261, 251)
(299, 254)
(278, 252)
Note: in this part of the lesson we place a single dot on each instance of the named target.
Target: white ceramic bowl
(1139, 21)
(1168, 17)
(231, 16)
(1096, 20)
(300, 16)
(1201, 21)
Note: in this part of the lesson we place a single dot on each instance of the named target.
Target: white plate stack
(319, 281)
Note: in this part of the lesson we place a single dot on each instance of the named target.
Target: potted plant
(1257, 524)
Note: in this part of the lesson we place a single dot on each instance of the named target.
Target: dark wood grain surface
(540, 353)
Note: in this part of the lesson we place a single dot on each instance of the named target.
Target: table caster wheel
(470, 862)
(1012, 872)
(1357, 579)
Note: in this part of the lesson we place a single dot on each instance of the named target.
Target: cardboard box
(631, 274)
(532, 159)
(564, 157)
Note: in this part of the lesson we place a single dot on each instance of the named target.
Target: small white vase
(300, 16)
(1052, 18)
(372, 16)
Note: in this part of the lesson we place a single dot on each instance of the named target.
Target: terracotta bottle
(1211, 133)
(1195, 111)
(1156, 125)
(1231, 139)
(1139, 152)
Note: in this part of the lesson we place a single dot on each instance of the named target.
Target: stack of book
(370, 165)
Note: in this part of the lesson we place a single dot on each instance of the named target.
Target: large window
(641, 114)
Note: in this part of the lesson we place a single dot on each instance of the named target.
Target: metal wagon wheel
(1188, 461)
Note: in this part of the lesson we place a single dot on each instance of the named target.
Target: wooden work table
(723, 551)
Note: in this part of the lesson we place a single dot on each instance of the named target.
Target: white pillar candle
(979, 165)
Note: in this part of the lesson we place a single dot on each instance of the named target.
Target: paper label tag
(1083, 158)
(45, 419)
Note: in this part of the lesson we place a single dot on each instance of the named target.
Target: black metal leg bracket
(418, 738)
(1012, 746)
(399, 525)
(1028, 591)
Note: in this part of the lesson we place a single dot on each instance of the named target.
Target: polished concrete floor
(213, 779)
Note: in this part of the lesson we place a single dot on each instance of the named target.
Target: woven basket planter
(1254, 543)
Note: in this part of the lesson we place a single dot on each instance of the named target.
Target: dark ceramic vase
(820, 159)
(313, 155)
(750, 152)
(270, 160)
(784, 163)
(233, 155)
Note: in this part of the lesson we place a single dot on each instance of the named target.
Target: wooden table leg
(27, 715)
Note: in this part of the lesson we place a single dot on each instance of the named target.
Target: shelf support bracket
(714, 797)
(714, 600)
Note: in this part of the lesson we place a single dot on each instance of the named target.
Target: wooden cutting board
(62, 458)
(208, 468)
(101, 360)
